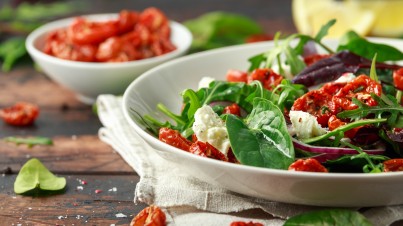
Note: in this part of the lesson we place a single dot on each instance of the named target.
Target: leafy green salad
(300, 106)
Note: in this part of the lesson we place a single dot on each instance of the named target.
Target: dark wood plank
(76, 206)
(60, 112)
(24, 83)
(69, 154)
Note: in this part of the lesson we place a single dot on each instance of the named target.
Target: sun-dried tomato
(241, 223)
(335, 122)
(316, 103)
(150, 216)
(21, 114)
(237, 76)
(398, 78)
(231, 157)
(308, 165)
(233, 109)
(266, 76)
(132, 36)
(205, 149)
(174, 138)
(311, 59)
(360, 88)
(393, 165)
(258, 38)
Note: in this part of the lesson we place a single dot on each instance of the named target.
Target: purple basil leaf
(329, 69)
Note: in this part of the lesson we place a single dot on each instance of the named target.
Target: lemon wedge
(310, 15)
(388, 16)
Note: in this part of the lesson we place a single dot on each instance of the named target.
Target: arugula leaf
(287, 93)
(324, 30)
(370, 167)
(388, 109)
(354, 43)
(335, 217)
(263, 139)
(338, 133)
(30, 141)
(356, 163)
(284, 52)
(35, 176)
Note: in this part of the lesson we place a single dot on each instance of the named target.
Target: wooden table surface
(77, 153)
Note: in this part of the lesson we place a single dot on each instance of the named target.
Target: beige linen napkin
(190, 201)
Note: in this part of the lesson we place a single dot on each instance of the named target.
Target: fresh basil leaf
(34, 175)
(12, 50)
(361, 46)
(218, 29)
(335, 217)
(31, 141)
(263, 140)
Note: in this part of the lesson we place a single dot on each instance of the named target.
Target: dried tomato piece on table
(150, 216)
(21, 114)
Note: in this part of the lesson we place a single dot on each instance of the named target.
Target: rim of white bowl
(42, 31)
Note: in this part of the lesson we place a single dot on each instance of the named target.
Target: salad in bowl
(301, 106)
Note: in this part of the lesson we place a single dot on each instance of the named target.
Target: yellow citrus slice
(310, 15)
(388, 16)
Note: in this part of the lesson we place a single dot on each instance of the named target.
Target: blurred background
(240, 23)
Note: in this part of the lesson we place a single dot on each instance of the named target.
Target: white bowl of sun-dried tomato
(104, 53)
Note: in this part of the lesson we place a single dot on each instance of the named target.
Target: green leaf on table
(335, 217)
(218, 29)
(34, 176)
(26, 11)
(354, 43)
(263, 139)
(10, 51)
(30, 141)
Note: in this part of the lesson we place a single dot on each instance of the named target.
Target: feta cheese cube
(305, 125)
(209, 127)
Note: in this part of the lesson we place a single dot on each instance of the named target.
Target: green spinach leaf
(335, 217)
(354, 43)
(239, 93)
(262, 140)
(34, 175)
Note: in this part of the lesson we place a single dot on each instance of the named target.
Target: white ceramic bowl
(88, 80)
(164, 83)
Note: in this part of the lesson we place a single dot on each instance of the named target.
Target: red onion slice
(330, 153)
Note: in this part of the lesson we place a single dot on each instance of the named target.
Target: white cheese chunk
(305, 125)
(345, 78)
(205, 82)
(209, 127)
